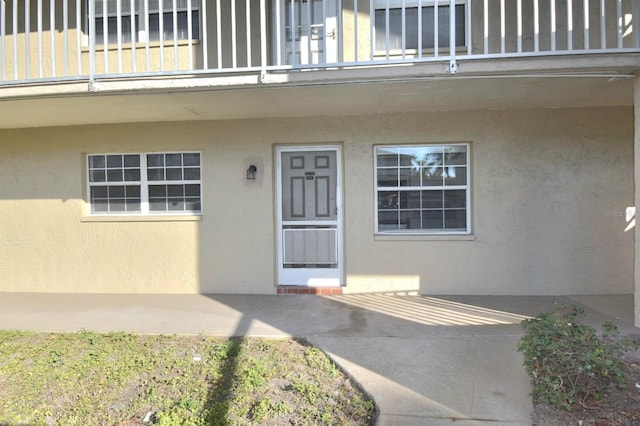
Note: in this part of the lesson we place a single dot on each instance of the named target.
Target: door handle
(335, 211)
(332, 34)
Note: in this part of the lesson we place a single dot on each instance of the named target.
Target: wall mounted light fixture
(251, 172)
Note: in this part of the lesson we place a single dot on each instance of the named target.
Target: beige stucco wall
(550, 189)
(549, 192)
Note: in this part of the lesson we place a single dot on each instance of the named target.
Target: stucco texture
(549, 192)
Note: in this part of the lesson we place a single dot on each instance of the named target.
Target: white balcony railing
(44, 40)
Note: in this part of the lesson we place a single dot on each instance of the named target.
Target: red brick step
(323, 291)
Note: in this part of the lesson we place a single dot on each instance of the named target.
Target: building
(263, 146)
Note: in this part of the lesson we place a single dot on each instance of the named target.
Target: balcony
(77, 62)
(44, 41)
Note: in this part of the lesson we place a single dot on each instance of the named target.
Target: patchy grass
(121, 378)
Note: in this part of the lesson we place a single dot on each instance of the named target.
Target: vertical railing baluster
(355, 30)
(278, 32)
(219, 33)
(404, 29)
(452, 37)
(65, 34)
(27, 38)
(40, 60)
(309, 32)
(486, 27)
(338, 33)
(204, 34)
(52, 35)
(176, 60)
(105, 36)
(119, 33)
(419, 28)
(536, 25)
(469, 29)
(146, 32)
(372, 27)
(436, 42)
(292, 27)
(92, 41)
(189, 35)
(620, 22)
(15, 39)
(503, 28)
(248, 25)
(234, 47)
(552, 7)
(386, 31)
(3, 32)
(161, 30)
(78, 23)
(636, 22)
(325, 31)
(569, 25)
(263, 37)
(132, 11)
(603, 25)
(587, 21)
(519, 25)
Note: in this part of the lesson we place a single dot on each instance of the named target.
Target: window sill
(140, 45)
(424, 237)
(143, 218)
(427, 52)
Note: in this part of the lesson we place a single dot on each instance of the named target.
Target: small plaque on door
(309, 175)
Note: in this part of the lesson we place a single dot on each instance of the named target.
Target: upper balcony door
(308, 32)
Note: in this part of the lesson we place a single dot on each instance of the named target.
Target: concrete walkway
(425, 360)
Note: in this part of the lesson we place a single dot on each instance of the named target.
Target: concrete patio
(425, 360)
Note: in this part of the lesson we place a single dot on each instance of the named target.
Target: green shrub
(568, 362)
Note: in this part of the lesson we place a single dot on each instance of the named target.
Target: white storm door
(308, 31)
(309, 218)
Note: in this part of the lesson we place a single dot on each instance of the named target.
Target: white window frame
(124, 12)
(398, 4)
(140, 5)
(467, 187)
(144, 184)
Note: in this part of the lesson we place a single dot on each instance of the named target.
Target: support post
(636, 162)
(453, 65)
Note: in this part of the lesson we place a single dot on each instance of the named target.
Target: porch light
(251, 172)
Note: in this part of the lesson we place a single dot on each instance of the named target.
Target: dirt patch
(617, 407)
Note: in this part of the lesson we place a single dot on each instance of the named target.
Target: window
(144, 183)
(422, 189)
(411, 24)
(144, 32)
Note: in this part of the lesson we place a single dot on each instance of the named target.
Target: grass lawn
(89, 378)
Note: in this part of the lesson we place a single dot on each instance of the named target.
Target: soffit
(122, 102)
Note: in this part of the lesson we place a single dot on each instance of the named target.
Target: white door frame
(311, 277)
(330, 34)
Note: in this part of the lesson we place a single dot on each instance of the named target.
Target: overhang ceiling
(313, 98)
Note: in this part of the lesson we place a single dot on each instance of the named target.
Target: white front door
(309, 216)
(308, 32)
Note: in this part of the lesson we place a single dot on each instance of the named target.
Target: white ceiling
(178, 100)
